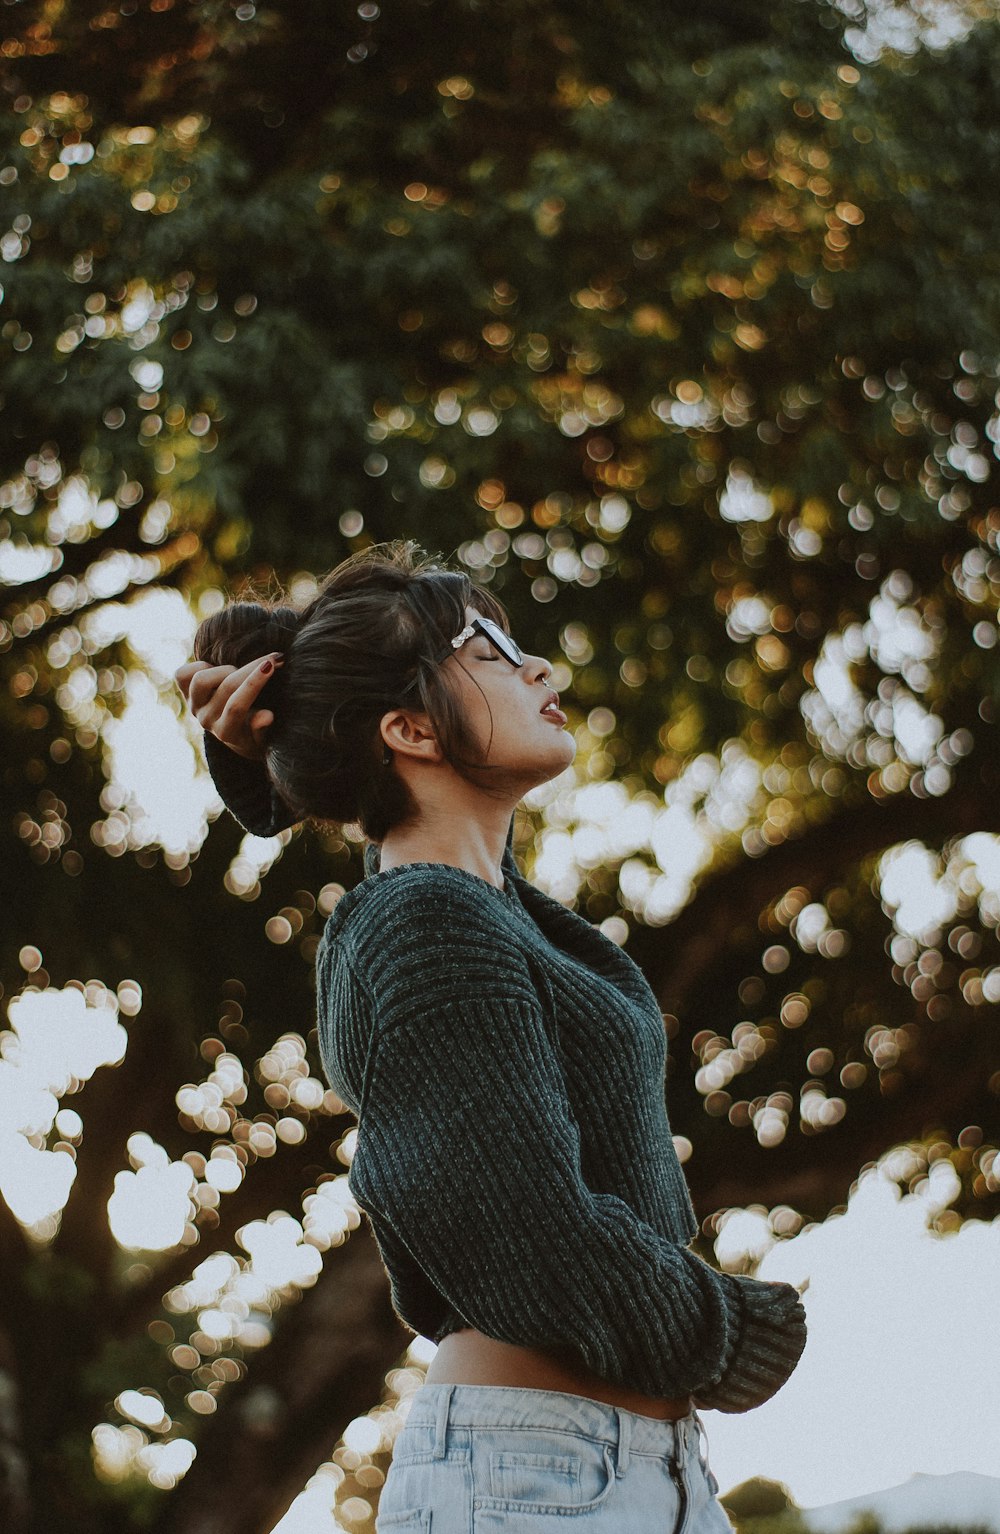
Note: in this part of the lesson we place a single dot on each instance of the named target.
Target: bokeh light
(56, 1040)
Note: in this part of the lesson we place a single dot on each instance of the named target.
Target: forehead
(474, 612)
(478, 612)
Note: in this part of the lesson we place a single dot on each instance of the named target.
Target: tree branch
(815, 1173)
(676, 959)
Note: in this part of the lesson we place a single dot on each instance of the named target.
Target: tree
(760, 1506)
(680, 332)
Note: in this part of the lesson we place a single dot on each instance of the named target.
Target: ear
(410, 735)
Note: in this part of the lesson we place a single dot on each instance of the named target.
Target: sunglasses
(496, 636)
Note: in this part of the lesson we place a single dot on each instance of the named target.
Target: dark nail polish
(267, 666)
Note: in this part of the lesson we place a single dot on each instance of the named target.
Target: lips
(549, 710)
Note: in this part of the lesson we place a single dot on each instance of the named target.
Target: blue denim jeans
(494, 1459)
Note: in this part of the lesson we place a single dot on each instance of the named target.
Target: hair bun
(245, 632)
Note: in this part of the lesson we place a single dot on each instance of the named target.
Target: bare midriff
(469, 1357)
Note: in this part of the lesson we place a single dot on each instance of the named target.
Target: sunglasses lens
(503, 641)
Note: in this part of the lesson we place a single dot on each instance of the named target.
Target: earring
(386, 756)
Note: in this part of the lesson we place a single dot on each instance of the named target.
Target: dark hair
(371, 640)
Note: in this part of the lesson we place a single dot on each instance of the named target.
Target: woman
(505, 1061)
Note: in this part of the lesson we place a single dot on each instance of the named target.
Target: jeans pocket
(549, 1478)
(576, 1477)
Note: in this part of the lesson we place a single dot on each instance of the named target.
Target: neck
(474, 842)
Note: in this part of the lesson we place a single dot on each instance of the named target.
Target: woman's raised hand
(222, 700)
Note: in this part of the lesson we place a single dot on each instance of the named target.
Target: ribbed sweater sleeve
(468, 1151)
(246, 790)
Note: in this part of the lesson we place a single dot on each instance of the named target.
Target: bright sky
(901, 1372)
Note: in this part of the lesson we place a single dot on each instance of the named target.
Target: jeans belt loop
(624, 1434)
(441, 1421)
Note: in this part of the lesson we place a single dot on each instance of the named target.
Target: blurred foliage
(791, 1522)
(760, 1506)
(678, 328)
(867, 1523)
(757, 1498)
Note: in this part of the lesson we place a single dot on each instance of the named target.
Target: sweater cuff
(767, 1339)
(246, 790)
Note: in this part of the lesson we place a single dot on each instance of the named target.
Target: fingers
(183, 674)
(198, 680)
(214, 688)
(222, 700)
(234, 725)
(210, 686)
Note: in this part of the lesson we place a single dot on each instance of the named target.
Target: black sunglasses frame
(507, 647)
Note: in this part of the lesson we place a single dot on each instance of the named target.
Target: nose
(537, 668)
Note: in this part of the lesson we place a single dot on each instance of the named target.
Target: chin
(560, 758)
(528, 771)
(570, 747)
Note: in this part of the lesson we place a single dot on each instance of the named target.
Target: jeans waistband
(509, 1406)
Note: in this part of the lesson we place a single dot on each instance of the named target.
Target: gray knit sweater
(506, 1064)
